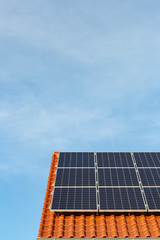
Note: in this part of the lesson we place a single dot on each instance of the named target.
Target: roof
(90, 225)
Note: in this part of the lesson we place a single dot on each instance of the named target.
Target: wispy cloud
(33, 123)
(77, 76)
(84, 35)
(74, 76)
(45, 129)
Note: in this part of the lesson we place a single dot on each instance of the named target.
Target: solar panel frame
(142, 159)
(154, 198)
(75, 187)
(148, 165)
(81, 163)
(66, 209)
(111, 176)
(80, 177)
(111, 200)
(111, 160)
(150, 176)
(127, 165)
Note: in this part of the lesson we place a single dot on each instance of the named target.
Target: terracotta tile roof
(92, 225)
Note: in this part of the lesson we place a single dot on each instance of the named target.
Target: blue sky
(74, 76)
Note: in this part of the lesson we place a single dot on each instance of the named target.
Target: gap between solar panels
(106, 182)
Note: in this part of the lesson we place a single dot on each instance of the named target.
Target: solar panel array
(107, 181)
(148, 165)
(75, 184)
(118, 183)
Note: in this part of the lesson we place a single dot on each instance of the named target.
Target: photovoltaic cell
(121, 199)
(153, 198)
(117, 177)
(146, 159)
(76, 159)
(74, 199)
(150, 176)
(75, 177)
(114, 159)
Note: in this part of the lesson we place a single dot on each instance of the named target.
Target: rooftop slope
(90, 225)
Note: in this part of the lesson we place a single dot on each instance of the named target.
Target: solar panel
(117, 177)
(114, 159)
(107, 181)
(150, 176)
(76, 159)
(117, 199)
(153, 198)
(75, 177)
(80, 199)
(75, 184)
(118, 183)
(146, 159)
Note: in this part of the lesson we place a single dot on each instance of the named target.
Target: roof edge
(100, 238)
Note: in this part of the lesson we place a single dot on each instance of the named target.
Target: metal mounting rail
(97, 185)
(140, 182)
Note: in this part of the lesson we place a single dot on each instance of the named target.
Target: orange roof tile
(90, 225)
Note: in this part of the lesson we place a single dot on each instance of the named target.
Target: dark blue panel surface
(121, 199)
(153, 198)
(117, 177)
(74, 199)
(114, 159)
(118, 187)
(146, 159)
(75, 177)
(76, 159)
(150, 176)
